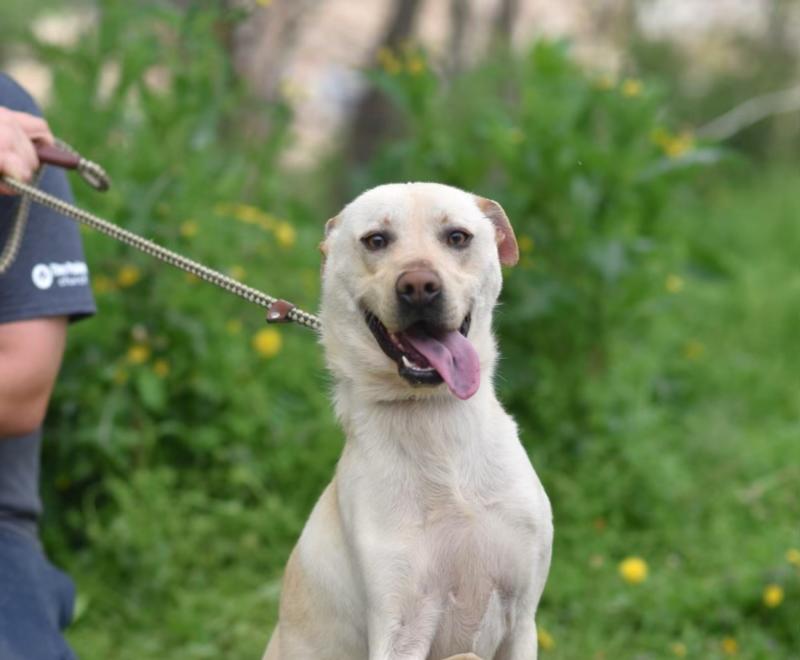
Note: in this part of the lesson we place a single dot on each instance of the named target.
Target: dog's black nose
(418, 287)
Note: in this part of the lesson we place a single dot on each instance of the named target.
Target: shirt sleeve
(49, 276)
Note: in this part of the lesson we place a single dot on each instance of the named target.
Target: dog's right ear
(323, 246)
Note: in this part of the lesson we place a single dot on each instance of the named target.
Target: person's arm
(30, 350)
(30, 357)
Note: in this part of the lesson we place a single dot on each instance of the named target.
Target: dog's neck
(417, 424)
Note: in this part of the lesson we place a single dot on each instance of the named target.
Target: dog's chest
(475, 557)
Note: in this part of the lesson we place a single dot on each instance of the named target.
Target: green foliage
(185, 445)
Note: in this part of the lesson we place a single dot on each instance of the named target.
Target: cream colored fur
(433, 540)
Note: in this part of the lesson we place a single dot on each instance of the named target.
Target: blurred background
(647, 154)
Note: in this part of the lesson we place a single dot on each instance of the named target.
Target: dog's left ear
(506, 241)
(323, 246)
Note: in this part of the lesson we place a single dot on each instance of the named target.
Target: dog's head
(411, 274)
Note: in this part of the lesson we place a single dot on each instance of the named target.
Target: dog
(434, 538)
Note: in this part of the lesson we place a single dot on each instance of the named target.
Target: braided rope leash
(278, 311)
(10, 250)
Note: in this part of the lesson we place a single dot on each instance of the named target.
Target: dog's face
(410, 278)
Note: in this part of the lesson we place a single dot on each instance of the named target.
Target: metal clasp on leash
(278, 311)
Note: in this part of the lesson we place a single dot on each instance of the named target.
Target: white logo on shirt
(42, 276)
(67, 273)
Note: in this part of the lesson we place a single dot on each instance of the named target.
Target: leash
(62, 155)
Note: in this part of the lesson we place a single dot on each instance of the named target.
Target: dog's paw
(463, 656)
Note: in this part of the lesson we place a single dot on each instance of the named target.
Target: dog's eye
(375, 241)
(458, 238)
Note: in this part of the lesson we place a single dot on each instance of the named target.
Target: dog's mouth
(429, 355)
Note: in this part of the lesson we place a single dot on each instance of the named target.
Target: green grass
(695, 470)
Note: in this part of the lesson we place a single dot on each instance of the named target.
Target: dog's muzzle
(429, 354)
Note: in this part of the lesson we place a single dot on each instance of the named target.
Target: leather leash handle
(52, 155)
(92, 173)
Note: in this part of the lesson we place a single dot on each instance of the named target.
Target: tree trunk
(373, 118)
(504, 21)
(460, 11)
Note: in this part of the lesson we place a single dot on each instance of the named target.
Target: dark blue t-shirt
(49, 277)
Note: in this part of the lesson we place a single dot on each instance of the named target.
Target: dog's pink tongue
(453, 356)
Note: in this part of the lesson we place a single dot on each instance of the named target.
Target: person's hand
(18, 132)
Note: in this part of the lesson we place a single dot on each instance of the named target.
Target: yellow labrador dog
(433, 540)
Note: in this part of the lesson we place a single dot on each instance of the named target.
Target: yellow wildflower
(678, 649)
(188, 229)
(246, 213)
(102, 284)
(389, 61)
(546, 641)
(237, 272)
(674, 283)
(415, 64)
(525, 244)
(285, 235)
(128, 275)
(633, 570)
(161, 368)
(693, 350)
(729, 646)
(793, 556)
(632, 87)
(773, 595)
(138, 354)
(672, 145)
(233, 326)
(267, 342)
(678, 145)
(264, 3)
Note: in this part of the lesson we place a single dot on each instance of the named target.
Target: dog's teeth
(413, 365)
(410, 364)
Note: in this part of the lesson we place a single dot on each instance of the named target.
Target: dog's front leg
(404, 631)
(521, 643)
